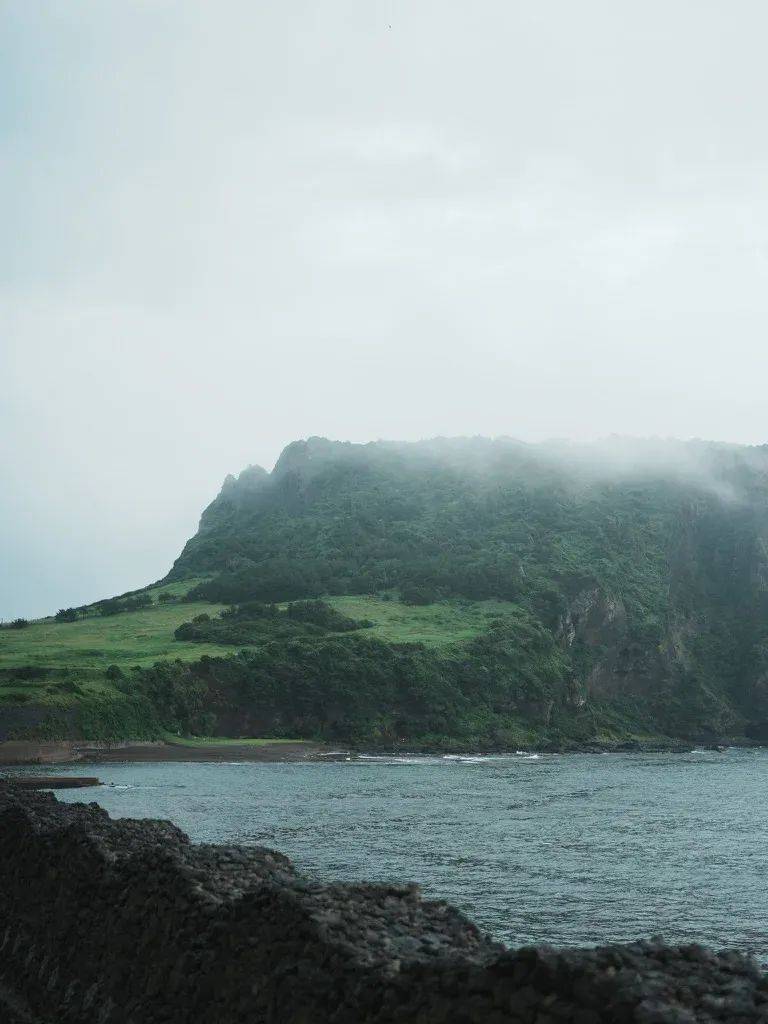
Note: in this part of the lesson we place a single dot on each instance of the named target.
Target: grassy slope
(82, 650)
(89, 645)
(434, 625)
(146, 636)
(130, 638)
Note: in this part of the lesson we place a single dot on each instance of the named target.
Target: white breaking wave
(398, 759)
(519, 755)
(432, 759)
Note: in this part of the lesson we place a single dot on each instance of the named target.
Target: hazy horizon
(231, 226)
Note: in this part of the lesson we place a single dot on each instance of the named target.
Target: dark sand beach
(16, 752)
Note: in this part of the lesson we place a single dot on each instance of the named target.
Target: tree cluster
(114, 605)
(255, 622)
(66, 615)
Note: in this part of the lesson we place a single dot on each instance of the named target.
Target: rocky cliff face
(707, 638)
(127, 922)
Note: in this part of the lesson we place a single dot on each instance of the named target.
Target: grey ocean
(562, 849)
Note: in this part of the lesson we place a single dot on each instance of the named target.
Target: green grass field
(143, 637)
(434, 624)
(129, 638)
(82, 650)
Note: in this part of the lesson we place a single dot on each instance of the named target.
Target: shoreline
(32, 752)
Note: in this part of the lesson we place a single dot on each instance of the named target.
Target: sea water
(536, 848)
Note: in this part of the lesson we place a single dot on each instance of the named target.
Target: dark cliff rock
(127, 922)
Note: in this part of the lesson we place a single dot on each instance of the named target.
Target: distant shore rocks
(127, 922)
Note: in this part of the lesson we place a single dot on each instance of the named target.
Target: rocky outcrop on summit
(127, 922)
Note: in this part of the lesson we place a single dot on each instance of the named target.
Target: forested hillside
(642, 565)
(472, 593)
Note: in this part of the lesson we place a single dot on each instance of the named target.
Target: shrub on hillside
(321, 614)
(66, 615)
(19, 624)
(417, 595)
(111, 607)
(251, 610)
(114, 605)
(69, 686)
(189, 631)
(254, 622)
(30, 672)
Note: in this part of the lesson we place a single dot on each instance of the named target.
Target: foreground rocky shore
(127, 922)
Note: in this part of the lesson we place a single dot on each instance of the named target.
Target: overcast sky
(227, 225)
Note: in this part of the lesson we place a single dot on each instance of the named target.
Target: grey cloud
(229, 225)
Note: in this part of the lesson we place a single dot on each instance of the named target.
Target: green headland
(452, 594)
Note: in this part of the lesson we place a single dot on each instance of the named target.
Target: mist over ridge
(723, 467)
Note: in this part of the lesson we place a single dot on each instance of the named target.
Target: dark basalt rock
(127, 922)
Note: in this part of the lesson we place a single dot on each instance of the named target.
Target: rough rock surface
(127, 922)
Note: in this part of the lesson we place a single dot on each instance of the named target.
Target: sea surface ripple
(563, 849)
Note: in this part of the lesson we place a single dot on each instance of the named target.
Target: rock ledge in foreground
(127, 922)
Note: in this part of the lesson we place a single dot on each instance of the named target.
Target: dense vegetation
(253, 622)
(354, 687)
(453, 593)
